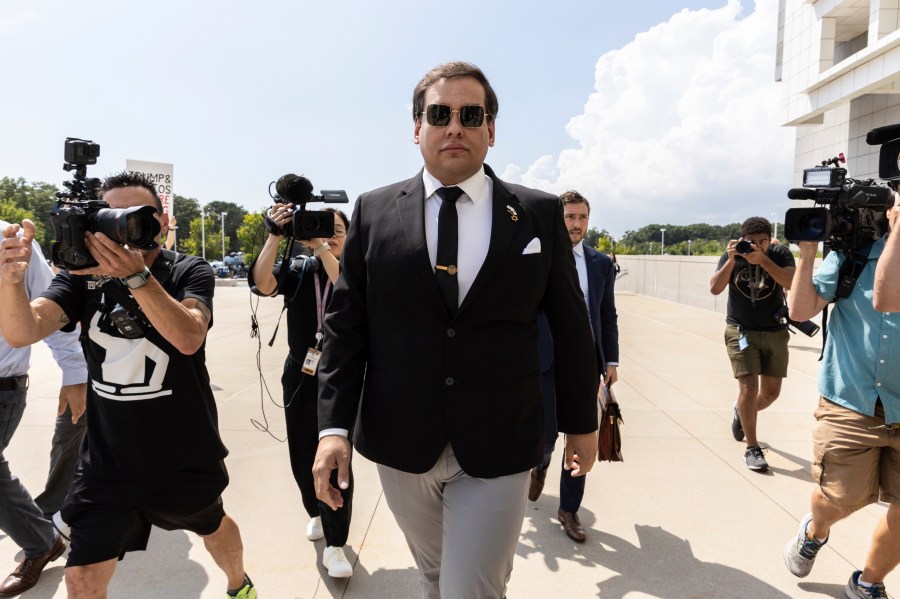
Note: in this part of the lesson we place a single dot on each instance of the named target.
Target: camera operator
(756, 273)
(887, 273)
(856, 421)
(152, 453)
(306, 285)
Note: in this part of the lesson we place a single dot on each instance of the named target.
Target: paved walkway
(681, 518)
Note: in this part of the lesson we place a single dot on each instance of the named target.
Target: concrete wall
(680, 279)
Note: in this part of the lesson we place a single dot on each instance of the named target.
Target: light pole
(223, 237)
(775, 236)
(689, 247)
(203, 231)
(662, 247)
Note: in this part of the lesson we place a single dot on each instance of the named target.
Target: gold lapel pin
(513, 215)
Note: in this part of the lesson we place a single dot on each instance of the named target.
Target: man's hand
(581, 453)
(74, 396)
(113, 260)
(756, 256)
(612, 375)
(334, 452)
(15, 251)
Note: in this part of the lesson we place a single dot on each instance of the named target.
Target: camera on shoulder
(849, 213)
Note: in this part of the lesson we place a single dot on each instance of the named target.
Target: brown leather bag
(609, 444)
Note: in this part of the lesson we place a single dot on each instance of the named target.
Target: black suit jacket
(601, 302)
(412, 378)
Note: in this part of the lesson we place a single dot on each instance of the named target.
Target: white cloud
(683, 126)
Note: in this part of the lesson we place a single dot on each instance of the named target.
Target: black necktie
(448, 239)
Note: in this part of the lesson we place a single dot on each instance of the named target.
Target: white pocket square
(533, 247)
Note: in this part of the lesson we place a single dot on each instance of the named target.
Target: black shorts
(109, 518)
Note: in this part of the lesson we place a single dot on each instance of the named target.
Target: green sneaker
(248, 591)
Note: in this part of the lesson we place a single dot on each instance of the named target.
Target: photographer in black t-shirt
(756, 271)
(152, 454)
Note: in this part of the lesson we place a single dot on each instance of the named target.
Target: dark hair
(573, 197)
(341, 214)
(756, 224)
(131, 179)
(454, 70)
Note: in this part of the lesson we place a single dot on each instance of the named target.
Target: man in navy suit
(597, 278)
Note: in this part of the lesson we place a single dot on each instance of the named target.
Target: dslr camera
(79, 209)
(807, 327)
(306, 224)
(849, 213)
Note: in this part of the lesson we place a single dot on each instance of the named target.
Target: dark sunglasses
(439, 115)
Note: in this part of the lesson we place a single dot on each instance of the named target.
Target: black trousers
(301, 418)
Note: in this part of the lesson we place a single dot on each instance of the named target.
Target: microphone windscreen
(801, 193)
(880, 135)
(296, 189)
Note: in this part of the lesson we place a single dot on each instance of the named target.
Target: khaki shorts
(853, 457)
(767, 353)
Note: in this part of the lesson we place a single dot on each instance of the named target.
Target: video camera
(307, 224)
(851, 213)
(80, 209)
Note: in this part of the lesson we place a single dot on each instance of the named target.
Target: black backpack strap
(851, 268)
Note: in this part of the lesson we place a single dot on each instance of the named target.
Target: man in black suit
(597, 279)
(431, 353)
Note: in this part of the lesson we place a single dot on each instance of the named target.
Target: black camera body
(744, 247)
(79, 209)
(807, 327)
(307, 224)
(849, 213)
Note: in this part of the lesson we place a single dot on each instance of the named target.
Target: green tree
(13, 213)
(194, 244)
(39, 199)
(251, 235)
(234, 218)
(186, 211)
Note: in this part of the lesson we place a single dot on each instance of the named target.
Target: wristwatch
(136, 280)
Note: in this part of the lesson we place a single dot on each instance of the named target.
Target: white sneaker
(335, 561)
(61, 527)
(314, 530)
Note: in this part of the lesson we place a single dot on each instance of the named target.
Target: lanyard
(320, 309)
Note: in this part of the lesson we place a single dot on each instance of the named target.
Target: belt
(13, 383)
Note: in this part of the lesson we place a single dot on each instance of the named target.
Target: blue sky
(659, 111)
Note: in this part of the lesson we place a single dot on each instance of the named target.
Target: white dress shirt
(474, 210)
(65, 347)
(581, 267)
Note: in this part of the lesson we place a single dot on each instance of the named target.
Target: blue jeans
(20, 517)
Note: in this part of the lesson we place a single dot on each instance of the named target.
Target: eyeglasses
(339, 233)
(439, 115)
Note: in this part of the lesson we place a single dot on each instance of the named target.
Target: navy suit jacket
(601, 275)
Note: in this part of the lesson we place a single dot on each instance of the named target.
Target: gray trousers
(64, 452)
(20, 517)
(462, 531)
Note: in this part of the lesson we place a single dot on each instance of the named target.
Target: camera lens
(136, 226)
(808, 224)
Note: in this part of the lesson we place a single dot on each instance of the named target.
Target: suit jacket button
(448, 381)
(451, 333)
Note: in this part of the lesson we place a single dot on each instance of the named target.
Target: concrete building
(839, 64)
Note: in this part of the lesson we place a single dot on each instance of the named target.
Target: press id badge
(311, 363)
(742, 343)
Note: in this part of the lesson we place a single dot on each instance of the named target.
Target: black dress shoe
(29, 571)
(538, 475)
(572, 525)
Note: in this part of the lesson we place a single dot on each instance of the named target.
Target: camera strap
(851, 268)
(117, 291)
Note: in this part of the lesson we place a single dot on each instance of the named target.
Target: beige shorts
(767, 352)
(854, 456)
